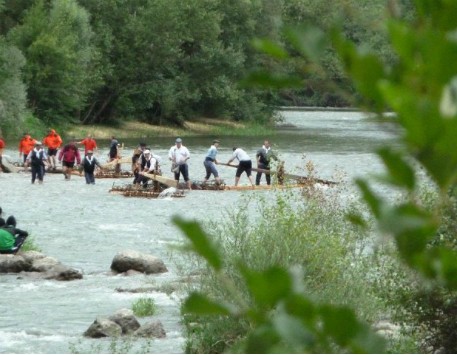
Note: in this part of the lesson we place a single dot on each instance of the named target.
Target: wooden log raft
(282, 175)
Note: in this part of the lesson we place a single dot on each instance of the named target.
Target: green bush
(144, 307)
(287, 231)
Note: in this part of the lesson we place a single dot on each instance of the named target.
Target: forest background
(81, 62)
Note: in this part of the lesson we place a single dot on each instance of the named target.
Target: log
(162, 179)
(289, 176)
(117, 161)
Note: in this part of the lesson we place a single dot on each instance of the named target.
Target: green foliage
(12, 89)
(57, 43)
(144, 307)
(419, 89)
(270, 271)
(30, 245)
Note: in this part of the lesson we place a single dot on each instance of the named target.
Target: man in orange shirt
(26, 145)
(89, 144)
(53, 141)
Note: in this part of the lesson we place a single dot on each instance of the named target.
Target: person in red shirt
(2, 146)
(53, 141)
(89, 144)
(26, 145)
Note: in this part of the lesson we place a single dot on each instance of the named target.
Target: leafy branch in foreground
(281, 317)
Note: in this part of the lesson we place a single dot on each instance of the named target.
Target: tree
(61, 69)
(12, 89)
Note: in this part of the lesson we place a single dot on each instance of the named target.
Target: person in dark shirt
(11, 238)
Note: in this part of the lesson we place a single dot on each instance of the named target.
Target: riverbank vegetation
(268, 299)
(285, 230)
(165, 62)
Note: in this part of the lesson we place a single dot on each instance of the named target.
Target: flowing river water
(84, 226)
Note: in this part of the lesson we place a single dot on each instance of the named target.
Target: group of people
(33, 153)
(145, 161)
(11, 237)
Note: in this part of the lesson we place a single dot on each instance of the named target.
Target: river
(84, 226)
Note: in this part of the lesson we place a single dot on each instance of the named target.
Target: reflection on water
(84, 226)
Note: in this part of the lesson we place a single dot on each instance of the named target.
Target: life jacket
(36, 158)
(89, 165)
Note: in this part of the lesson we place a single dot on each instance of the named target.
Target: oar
(289, 176)
(162, 179)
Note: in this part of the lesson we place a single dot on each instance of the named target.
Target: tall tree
(12, 89)
(61, 69)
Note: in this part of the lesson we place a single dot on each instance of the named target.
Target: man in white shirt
(245, 164)
(179, 154)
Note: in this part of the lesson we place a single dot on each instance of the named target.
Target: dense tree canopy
(167, 61)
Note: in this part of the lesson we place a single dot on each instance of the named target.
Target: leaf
(201, 305)
(370, 198)
(200, 242)
(311, 41)
(400, 173)
(268, 287)
(268, 47)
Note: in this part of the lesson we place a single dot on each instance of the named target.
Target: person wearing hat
(89, 163)
(148, 164)
(211, 161)
(179, 155)
(36, 159)
(26, 145)
(136, 163)
(53, 142)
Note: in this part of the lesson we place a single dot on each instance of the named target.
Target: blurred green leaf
(365, 69)
(200, 241)
(268, 47)
(199, 304)
(373, 201)
(310, 41)
(269, 286)
(400, 172)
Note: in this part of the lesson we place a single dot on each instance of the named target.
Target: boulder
(44, 264)
(133, 260)
(102, 327)
(10, 263)
(37, 265)
(151, 330)
(126, 320)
